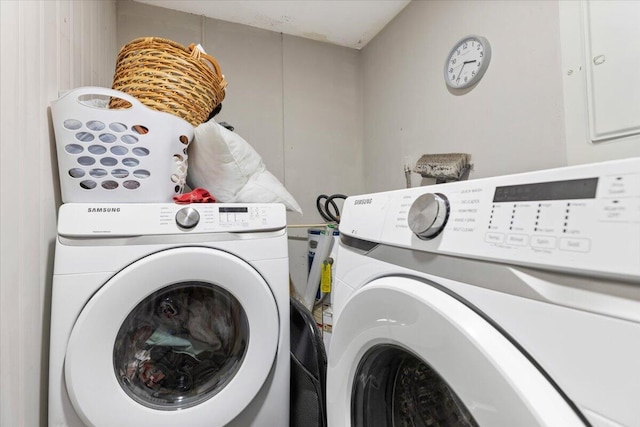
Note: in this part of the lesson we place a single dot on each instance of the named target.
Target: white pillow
(223, 163)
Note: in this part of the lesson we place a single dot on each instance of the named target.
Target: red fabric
(198, 195)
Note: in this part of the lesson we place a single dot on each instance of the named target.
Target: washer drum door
(185, 336)
(405, 352)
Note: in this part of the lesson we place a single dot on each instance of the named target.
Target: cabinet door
(613, 63)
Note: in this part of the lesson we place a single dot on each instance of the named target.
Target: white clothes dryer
(505, 301)
(170, 315)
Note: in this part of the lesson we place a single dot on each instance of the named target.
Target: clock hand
(460, 72)
(463, 64)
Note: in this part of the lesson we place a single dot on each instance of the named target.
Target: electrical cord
(329, 204)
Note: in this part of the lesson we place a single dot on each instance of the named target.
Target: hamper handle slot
(103, 91)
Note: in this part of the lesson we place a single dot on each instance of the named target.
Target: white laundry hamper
(118, 155)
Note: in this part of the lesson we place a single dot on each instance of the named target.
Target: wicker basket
(169, 77)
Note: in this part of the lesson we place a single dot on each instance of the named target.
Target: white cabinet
(612, 50)
(600, 48)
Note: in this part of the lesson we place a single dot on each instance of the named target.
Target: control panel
(581, 218)
(132, 219)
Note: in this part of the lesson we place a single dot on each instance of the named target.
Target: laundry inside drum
(394, 388)
(181, 345)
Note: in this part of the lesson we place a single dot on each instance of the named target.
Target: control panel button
(492, 237)
(575, 245)
(428, 215)
(518, 239)
(187, 218)
(543, 242)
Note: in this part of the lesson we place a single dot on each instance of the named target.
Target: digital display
(233, 210)
(557, 190)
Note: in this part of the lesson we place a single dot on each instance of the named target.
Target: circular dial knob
(428, 215)
(187, 218)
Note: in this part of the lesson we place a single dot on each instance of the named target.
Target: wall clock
(467, 62)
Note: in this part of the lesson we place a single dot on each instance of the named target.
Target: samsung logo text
(103, 210)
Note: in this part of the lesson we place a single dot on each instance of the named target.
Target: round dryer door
(185, 336)
(405, 352)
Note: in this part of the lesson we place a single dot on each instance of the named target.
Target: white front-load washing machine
(505, 301)
(170, 315)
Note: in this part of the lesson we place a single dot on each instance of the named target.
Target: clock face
(467, 62)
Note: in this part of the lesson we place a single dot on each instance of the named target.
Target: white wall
(47, 46)
(297, 102)
(322, 132)
(512, 121)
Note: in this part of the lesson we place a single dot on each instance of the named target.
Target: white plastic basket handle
(103, 91)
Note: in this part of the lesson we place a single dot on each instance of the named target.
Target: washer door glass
(392, 387)
(181, 345)
(185, 336)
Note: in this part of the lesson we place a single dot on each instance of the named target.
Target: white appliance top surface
(582, 219)
(133, 219)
